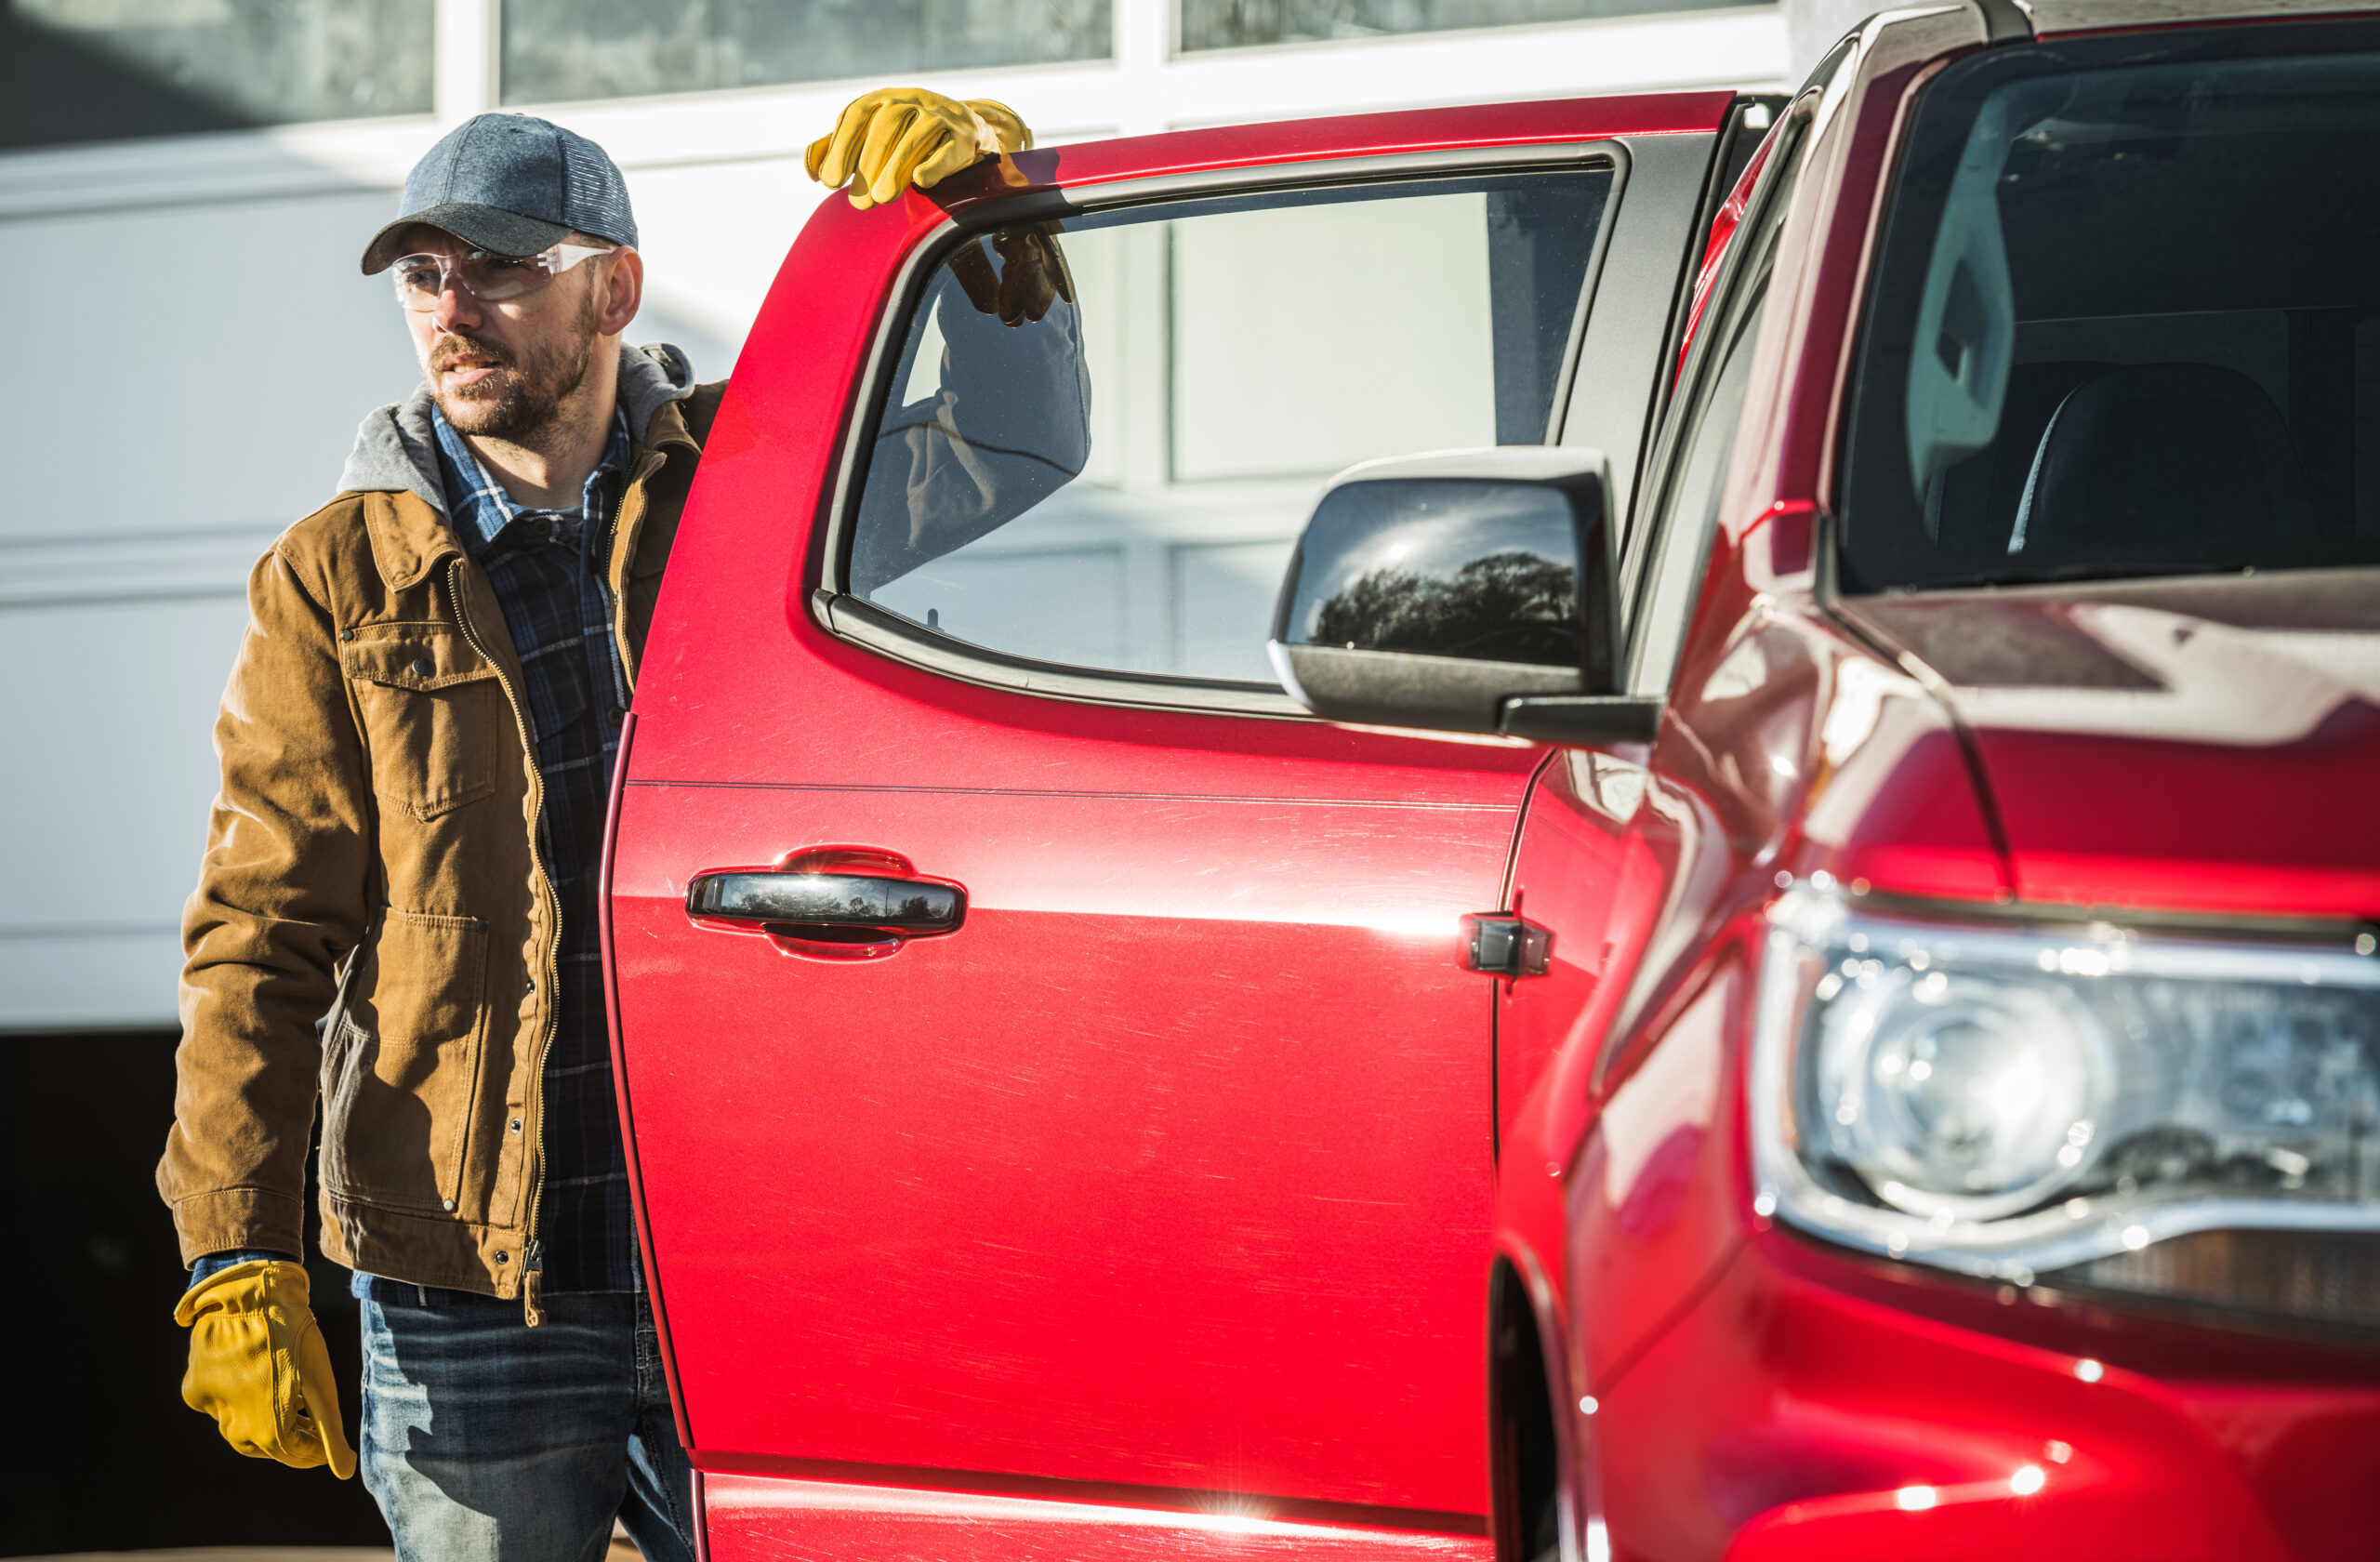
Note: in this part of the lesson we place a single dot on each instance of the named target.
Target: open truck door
(1062, 1119)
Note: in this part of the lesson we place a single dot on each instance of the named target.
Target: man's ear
(622, 292)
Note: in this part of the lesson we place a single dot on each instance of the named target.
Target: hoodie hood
(397, 451)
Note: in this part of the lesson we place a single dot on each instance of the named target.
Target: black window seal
(1742, 275)
(848, 617)
(1735, 145)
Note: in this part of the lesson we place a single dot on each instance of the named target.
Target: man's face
(500, 369)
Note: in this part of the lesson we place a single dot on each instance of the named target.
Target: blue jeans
(485, 1440)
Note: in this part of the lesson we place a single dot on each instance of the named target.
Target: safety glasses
(492, 279)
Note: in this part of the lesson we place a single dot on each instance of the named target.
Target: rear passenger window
(1103, 434)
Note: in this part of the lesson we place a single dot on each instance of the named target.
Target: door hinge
(1501, 945)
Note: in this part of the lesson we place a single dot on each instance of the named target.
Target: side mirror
(1465, 592)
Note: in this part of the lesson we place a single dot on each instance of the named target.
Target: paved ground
(229, 1553)
(622, 1550)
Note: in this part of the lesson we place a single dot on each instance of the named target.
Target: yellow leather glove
(259, 1366)
(899, 136)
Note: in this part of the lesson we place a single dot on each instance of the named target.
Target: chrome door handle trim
(793, 904)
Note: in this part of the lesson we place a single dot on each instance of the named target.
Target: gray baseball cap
(510, 184)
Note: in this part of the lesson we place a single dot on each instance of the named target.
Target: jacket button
(450, 1204)
(532, 986)
(516, 1125)
(347, 634)
(504, 1258)
(421, 666)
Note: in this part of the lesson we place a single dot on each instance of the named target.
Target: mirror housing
(1462, 591)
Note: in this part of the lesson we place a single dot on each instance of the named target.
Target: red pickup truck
(1812, 990)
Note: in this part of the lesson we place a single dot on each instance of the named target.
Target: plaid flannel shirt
(546, 567)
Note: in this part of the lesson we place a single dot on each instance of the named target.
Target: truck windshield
(2126, 318)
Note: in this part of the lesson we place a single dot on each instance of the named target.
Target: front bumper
(1795, 1412)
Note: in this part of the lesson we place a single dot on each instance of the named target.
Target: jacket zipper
(532, 1255)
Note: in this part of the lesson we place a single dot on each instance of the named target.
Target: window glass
(563, 49)
(1103, 436)
(1663, 564)
(101, 69)
(2126, 322)
(1690, 509)
(1208, 24)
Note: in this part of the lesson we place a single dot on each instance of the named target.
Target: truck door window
(1102, 434)
(1690, 507)
(2125, 320)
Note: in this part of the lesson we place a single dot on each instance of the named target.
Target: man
(396, 919)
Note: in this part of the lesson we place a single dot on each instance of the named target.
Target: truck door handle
(827, 908)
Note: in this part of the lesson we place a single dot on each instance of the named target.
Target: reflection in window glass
(103, 69)
(564, 49)
(1208, 24)
(1115, 479)
(2050, 391)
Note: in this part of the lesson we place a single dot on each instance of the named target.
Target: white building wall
(192, 347)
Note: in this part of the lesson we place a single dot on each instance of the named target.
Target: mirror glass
(1440, 566)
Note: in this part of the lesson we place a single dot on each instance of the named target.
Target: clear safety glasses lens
(490, 278)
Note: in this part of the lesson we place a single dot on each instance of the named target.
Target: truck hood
(2210, 743)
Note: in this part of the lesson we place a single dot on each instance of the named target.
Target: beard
(521, 399)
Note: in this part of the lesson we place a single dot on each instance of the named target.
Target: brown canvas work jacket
(379, 819)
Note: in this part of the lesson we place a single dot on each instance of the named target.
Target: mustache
(458, 345)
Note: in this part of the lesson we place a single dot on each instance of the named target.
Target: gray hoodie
(396, 449)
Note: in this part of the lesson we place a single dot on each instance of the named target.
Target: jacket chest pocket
(435, 719)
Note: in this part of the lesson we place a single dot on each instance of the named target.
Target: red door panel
(1566, 864)
(1169, 1167)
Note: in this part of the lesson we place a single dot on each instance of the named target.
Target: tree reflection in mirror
(1441, 567)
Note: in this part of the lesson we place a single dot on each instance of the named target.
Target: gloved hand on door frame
(895, 136)
(259, 1366)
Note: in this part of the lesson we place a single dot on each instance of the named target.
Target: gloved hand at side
(897, 137)
(259, 1366)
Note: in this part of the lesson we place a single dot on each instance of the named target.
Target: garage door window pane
(101, 69)
(1208, 24)
(1112, 476)
(562, 50)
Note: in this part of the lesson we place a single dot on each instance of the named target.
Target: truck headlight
(2012, 1101)
(1965, 1095)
